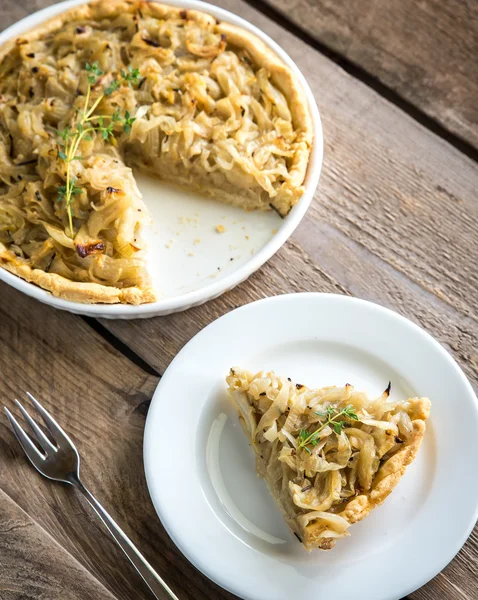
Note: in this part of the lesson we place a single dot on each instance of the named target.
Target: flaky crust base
(87, 293)
(386, 478)
(289, 193)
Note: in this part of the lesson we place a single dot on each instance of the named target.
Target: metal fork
(60, 461)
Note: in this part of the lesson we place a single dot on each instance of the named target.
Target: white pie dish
(200, 469)
(191, 261)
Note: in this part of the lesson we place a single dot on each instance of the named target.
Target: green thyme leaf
(70, 139)
(128, 121)
(305, 438)
(303, 435)
(332, 414)
(94, 68)
(64, 133)
(114, 85)
(338, 426)
(132, 76)
(116, 116)
(94, 72)
(350, 412)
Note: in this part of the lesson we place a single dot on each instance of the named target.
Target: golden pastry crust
(286, 194)
(288, 84)
(87, 293)
(384, 481)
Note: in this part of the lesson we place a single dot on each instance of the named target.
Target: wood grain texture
(101, 399)
(425, 51)
(394, 221)
(28, 550)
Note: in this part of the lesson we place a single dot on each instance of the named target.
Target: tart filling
(328, 455)
(115, 85)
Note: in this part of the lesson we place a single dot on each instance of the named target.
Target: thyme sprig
(331, 414)
(88, 123)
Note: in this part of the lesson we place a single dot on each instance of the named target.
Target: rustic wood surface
(101, 398)
(425, 51)
(394, 221)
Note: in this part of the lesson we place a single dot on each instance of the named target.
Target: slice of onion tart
(328, 455)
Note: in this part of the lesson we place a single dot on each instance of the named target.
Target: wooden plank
(424, 51)
(101, 399)
(24, 542)
(12, 11)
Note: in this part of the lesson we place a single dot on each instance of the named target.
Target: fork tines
(47, 447)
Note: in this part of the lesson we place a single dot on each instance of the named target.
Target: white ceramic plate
(188, 272)
(200, 469)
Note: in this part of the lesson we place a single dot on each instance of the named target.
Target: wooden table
(394, 221)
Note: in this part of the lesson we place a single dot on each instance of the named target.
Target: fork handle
(151, 578)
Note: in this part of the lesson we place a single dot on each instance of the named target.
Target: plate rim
(212, 290)
(148, 459)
